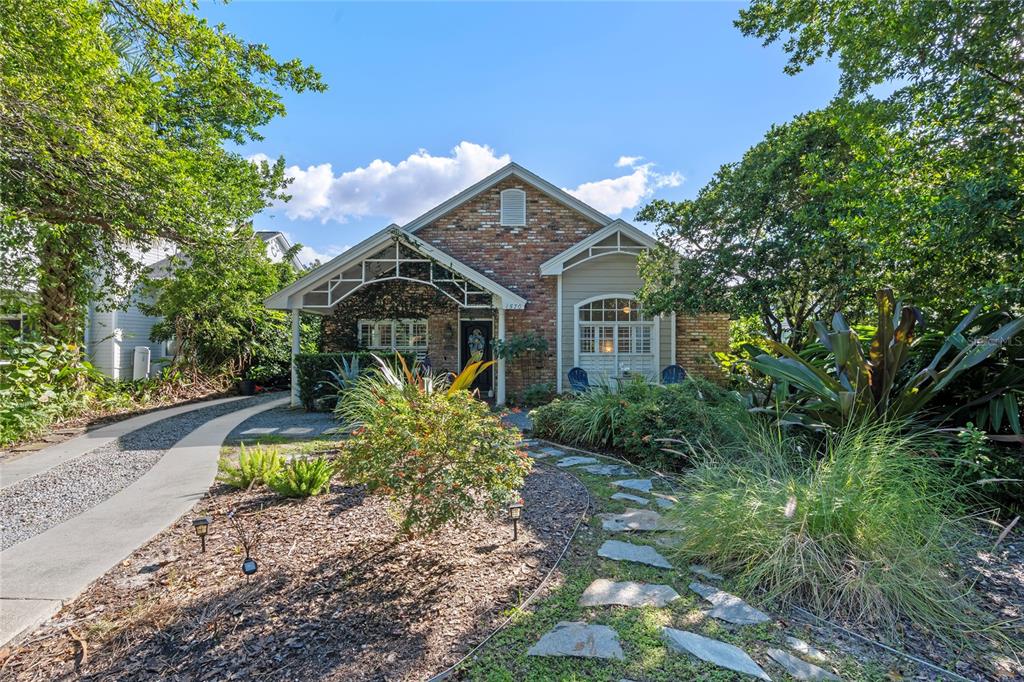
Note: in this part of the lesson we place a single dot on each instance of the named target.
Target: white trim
(556, 265)
(493, 179)
(672, 341)
(558, 334)
(296, 344)
(655, 331)
(421, 349)
(500, 396)
(291, 296)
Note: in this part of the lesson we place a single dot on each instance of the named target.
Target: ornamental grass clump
(436, 451)
(864, 528)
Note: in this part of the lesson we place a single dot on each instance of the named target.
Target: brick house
(512, 255)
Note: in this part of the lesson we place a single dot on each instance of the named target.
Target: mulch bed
(335, 597)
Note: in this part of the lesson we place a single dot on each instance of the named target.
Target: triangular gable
(618, 237)
(327, 285)
(512, 169)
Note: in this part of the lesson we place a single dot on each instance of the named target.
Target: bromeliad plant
(430, 446)
(886, 378)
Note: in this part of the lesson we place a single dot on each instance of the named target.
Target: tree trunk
(60, 286)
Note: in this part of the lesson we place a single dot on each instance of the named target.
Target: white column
(558, 335)
(500, 397)
(296, 335)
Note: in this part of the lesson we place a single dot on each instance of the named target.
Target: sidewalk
(38, 576)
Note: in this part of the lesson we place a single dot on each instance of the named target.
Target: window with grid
(615, 339)
(398, 335)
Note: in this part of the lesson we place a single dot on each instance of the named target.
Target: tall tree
(114, 116)
(760, 238)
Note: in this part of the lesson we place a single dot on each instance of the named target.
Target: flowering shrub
(438, 455)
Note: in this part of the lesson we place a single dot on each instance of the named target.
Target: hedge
(312, 370)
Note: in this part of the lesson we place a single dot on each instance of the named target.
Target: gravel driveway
(41, 502)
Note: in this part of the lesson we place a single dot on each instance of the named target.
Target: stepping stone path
(608, 470)
(713, 651)
(664, 501)
(632, 519)
(604, 592)
(704, 572)
(574, 638)
(800, 669)
(627, 551)
(552, 452)
(806, 650)
(626, 497)
(641, 484)
(573, 461)
(729, 607)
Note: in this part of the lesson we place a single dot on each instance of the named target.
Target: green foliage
(439, 455)
(759, 238)
(658, 425)
(863, 529)
(315, 372)
(533, 395)
(871, 379)
(518, 345)
(257, 465)
(303, 477)
(114, 117)
(211, 303)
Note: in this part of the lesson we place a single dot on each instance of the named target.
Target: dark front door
(476, 339)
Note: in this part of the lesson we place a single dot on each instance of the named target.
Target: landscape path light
(202, 527)
(514, 512)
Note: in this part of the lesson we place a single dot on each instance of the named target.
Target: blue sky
(618, 103)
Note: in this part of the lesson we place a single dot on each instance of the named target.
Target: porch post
(296, 333)
(500, 395)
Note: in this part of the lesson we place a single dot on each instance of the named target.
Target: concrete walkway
(41, 574)
(33, 463)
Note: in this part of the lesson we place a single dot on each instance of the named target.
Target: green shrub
(255, 465)
(438, 454)
(303, 477)
(863, 528)
(533, 396)
(640, 417)
(314, 372)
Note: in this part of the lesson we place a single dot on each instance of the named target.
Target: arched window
(615, 338)
(513, 207)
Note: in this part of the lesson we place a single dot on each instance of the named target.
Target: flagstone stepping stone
(555, 452)
(608, 470)
(703, 572)
(537, 454)
(603, 592)
(627, 551)
(729, 607)
(574, 638)
(573, 461)
(626, 497)
(806, 650)
(664, 501)
(632, 519)
(800, 669)
(713, 651)
(641, 484)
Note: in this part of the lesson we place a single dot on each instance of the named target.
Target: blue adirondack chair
(578, 380)
(673, 374)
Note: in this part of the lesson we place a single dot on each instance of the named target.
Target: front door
(476, 340)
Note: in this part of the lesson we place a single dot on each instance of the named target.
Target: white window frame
(393, 325)
(520, 197)
(654, 323)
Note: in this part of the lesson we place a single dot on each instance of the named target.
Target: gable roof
(317, 276)
(512, 169)
(555, 266)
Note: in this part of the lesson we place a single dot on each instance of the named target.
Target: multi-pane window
(615, 338)
(403, 335)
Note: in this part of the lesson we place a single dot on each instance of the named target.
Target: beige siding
(608, 275)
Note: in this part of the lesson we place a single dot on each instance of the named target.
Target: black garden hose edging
(444, 674)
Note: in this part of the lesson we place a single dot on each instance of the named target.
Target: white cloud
(309, 255)
(398, 192)
(614, 195)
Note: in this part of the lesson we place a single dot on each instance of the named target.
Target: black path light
(515, 511)
(249, 566)
(202, 527)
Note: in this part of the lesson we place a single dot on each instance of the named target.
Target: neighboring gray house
(111, 336)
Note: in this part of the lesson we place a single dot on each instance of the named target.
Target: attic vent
(513, 207)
